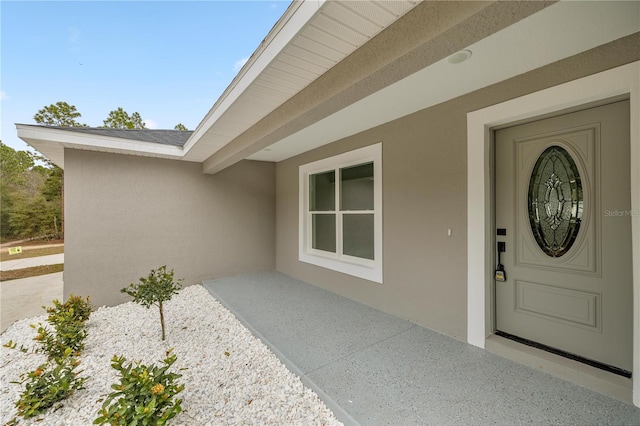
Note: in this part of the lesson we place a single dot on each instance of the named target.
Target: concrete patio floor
(372, 368)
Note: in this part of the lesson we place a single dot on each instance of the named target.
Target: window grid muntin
(339, 228)
(361, 268)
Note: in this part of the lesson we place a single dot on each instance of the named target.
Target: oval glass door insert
(555, 201)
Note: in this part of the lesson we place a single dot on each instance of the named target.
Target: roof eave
(291, 130)
(291, 22)
(52, 142)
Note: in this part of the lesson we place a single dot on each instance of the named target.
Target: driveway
(24, 298)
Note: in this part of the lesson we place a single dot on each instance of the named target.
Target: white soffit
(310, 38)
(559, 31)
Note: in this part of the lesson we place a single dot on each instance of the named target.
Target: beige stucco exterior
(225, 216)
(424, 195)
(126, 215)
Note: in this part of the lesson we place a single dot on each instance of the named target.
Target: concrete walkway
(24, 298)
(372, 368)
(29, 262)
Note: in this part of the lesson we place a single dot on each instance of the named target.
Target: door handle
(501, 275)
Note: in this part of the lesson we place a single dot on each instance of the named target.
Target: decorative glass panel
(322, 191)
(555, 201)
(356, 187)
(357, 235)
(324, 232)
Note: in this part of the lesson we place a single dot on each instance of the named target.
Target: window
(556, 201)
(341, 213)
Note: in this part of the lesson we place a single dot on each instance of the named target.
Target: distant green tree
(64, 115)
(180, 126)
(33, 217)
(13, 163)
(31, 186)
(59, 114)
(14, 166)
(120, 119)
(31, 196)
(52, 189)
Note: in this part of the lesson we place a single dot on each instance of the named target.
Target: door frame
(619, 81)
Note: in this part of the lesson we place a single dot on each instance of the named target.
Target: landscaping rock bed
(230, 377)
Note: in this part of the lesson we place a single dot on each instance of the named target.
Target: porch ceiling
(556, 32)
(311, 38)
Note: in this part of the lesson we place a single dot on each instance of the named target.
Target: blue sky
(167, 60)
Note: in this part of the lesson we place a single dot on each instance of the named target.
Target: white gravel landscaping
(230, 377)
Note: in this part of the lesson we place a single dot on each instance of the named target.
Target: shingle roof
(163, 137)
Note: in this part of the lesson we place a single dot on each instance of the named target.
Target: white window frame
(363, 268)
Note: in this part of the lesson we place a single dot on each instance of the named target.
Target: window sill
(364, 269)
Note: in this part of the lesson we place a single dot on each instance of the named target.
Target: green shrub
(78, 308)
(144, 396)
(56, 379)
(67, 320)
(48, 384)
(154, 289)
(54, 344)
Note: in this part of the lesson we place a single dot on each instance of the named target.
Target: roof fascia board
(97, 142)
(294, 19)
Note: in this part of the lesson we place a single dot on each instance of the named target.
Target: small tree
(154, 289)
(180, 126)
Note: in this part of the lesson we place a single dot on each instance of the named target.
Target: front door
(563, 211)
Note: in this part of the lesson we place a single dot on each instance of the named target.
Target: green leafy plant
(144, 396)
(69, 335)
(78, 308)
(67, 320)
(48, 384)
(154, 289)
(56, 379)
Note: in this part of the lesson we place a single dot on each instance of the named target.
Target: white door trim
(617, 81)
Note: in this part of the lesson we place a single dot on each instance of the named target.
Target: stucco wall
(126, 215)
(424, 195)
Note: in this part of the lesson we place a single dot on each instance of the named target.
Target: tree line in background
(63, 114)
(31, 193)
(31, 187)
